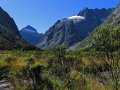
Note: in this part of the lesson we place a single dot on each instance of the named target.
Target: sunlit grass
(19, 60)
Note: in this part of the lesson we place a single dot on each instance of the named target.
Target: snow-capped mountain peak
(29, 28)
(31, 35)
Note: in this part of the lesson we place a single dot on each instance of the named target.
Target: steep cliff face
(9, 34)
(72, 30)
(8, 22)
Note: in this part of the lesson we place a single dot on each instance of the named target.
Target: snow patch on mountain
(76, 17)
(30, 30)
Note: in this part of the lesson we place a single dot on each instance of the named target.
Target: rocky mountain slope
(31, 35)
(9, 34)
(112, 22)
(8, 22)
(72, 30)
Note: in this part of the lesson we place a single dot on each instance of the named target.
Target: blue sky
(42, 14)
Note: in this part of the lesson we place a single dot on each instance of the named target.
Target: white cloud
(77, 17)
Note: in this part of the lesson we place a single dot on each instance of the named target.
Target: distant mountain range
(74, 31)
(10, 37)
(31, 35)
(69, 31)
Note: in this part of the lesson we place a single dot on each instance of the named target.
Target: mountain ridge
(113, 21)
(8, 22)
(71, 30)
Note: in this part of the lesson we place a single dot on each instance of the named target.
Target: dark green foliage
(35, 73)
(4, 71)
(76, 84)
(107, 39)
(10, 41)
(30, 61)
(58, 63)
(32, 77)
(37, 54)
(107, 43)
(10, 59)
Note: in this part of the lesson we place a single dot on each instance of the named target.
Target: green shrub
(10, 59)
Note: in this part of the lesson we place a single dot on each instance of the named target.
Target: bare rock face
(72, 30)
(114, 18)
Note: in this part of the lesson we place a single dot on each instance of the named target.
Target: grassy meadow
(55, 70)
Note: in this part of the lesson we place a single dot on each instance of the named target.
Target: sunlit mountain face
(73, 29)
